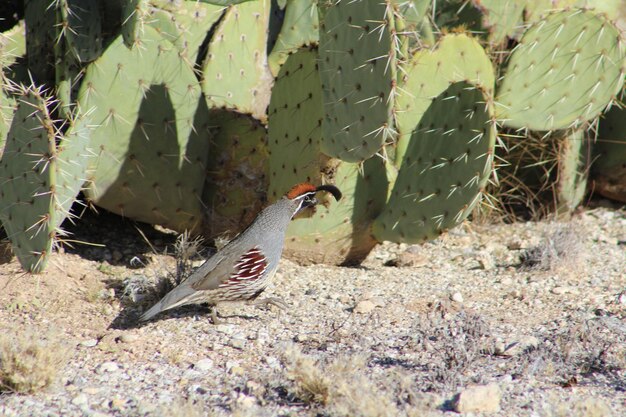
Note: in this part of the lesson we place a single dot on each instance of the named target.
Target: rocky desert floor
(524, 319)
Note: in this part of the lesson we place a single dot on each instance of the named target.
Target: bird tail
(175, 298)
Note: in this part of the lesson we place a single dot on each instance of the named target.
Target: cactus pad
(38, 180)
(295, 118)
(357, 60)
(145, 103)
(564, 71)
(300, 28)
(235, 71)
(444, 168)
(456, 58)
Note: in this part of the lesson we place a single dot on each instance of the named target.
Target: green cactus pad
(457, 57)
(338, 232)
(185, 24)
(80, 25)
(235, 72)
(236, 180)
(503, 18)
(444, 169)
(145, 103)
(564, 71)
(12, 44)
(300, 28)
(295, 118)
(574, 161)
(357, 60)
(135, 14)
(38, 180)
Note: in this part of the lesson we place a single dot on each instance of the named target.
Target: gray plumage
(242, 269)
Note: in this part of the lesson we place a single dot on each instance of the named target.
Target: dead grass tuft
(182, 408)
(138, 287)
(561, 248)
(29, 363)
(341, 387)
(453, 344)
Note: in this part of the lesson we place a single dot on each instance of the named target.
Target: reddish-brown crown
(300, 189)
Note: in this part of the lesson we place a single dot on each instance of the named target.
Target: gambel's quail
(242, 269)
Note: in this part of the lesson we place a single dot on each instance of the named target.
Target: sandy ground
(534, 312)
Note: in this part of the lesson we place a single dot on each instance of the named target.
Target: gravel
(429, 324)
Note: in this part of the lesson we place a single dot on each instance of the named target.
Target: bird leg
(275, 301)
(214, 318)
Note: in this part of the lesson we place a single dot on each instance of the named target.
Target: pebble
(237, 342)
(204, 364)
(479, 399)
(486, 261)
(457, 297)
(128, 338)
(107, 367)
(559, 290)
(364, 307)
(89, 343)
(80, 400)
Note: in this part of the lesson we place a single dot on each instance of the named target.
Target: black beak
(331, 189)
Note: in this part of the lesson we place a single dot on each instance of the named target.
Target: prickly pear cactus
(357, 60)
(184, 24)
(503, 18)
(236, 178)
(300, 28)
(295, 125)
(145, 102)
(444, 169)
(573, 168)
(457, 57)
(236, 75)
(135, 15)
(12, 44)
(39, 180)
(338, 232)
(564, 71)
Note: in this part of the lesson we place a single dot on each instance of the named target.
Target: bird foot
(275, 301)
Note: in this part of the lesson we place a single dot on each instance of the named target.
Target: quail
(242, 269)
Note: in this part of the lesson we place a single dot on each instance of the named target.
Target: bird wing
(247, 267)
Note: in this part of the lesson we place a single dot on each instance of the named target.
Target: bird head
(303, 195)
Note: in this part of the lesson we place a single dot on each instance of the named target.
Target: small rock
(559, 290)
(506, 281)
(204, 364)
(80, 400)
(621, 298)
(478, 398)
(128, 338)
(89, 343)
(300, 338)
(409, 258)
(107, 367)
(225, 328)
(486, 262)
(236, 370)
(237, 342)
(520, 346)
(457, 297)
(364, 307)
